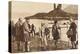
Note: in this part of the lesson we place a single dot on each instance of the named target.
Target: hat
(55, 21)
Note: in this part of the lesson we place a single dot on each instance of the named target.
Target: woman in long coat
(73, 36)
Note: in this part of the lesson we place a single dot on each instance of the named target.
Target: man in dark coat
(55, 33)
(33, 30)
(19, 34)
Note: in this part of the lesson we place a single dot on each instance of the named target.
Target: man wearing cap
(19, 34)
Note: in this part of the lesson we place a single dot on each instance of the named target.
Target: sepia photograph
(38, 26)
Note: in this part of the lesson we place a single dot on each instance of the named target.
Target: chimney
(59, 6)
(54, 6)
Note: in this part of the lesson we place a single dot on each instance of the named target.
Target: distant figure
(33, 30)
(47, 32)
(72, 33)
(26, 29)
(55, 32)
(46, 36)
(19, 34)
(43, 33)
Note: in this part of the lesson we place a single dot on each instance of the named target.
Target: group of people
(23, 30)
(71, 33)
